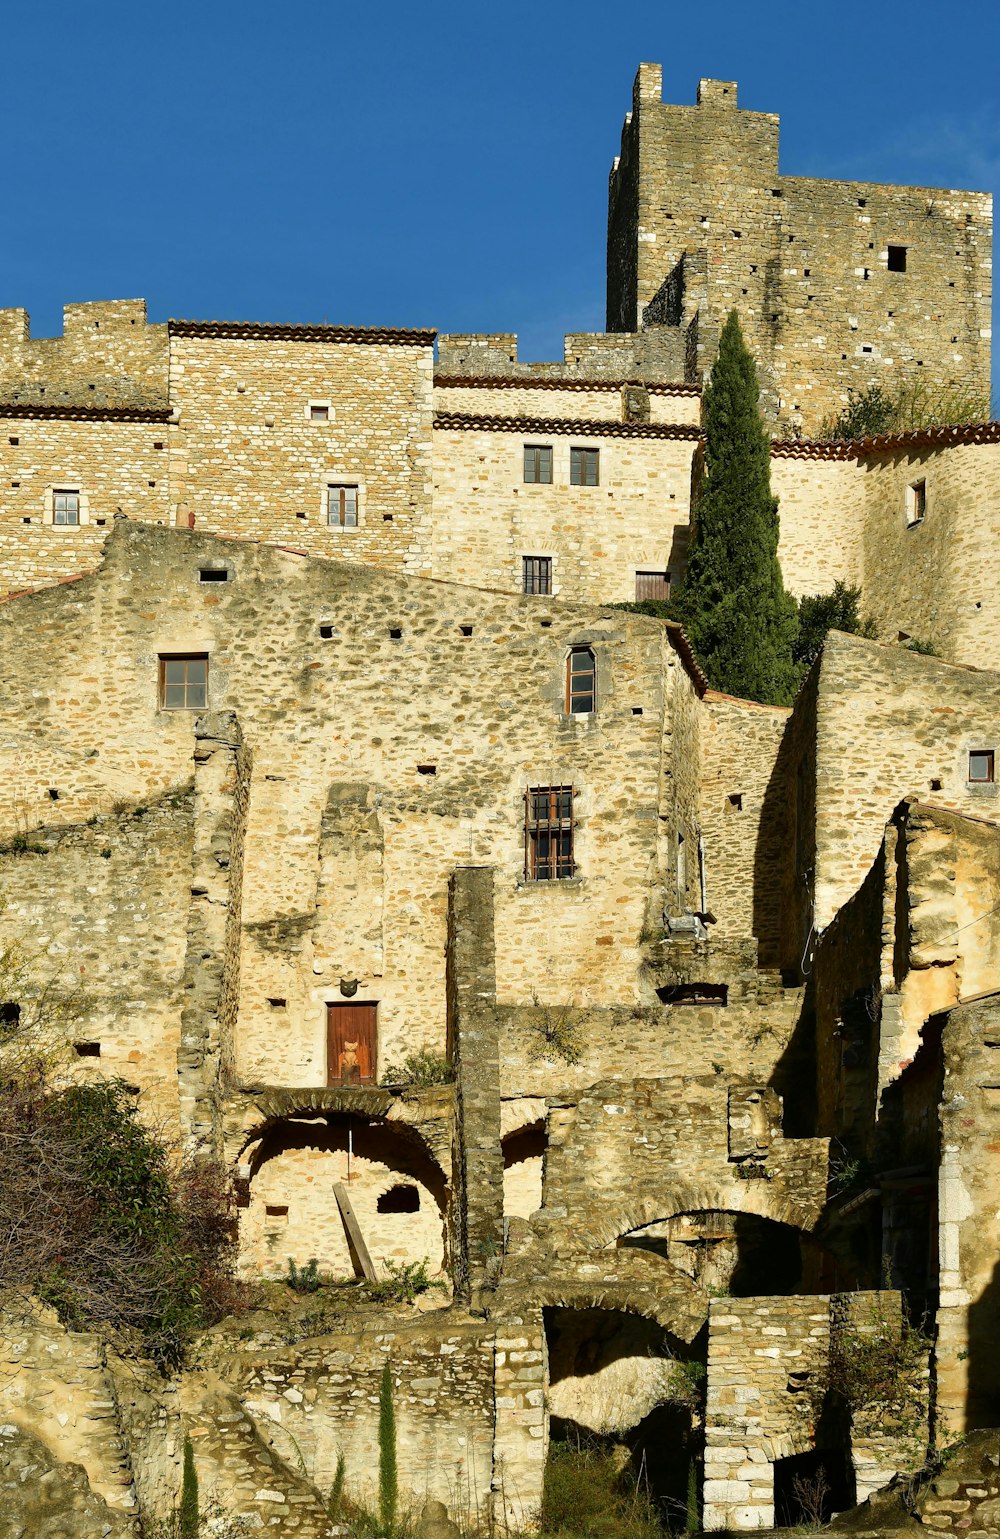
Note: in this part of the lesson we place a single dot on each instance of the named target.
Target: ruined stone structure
(323, 744)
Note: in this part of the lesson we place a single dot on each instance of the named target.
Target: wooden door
(351, 1038)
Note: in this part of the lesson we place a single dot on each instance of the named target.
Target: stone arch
(291, 1169)
(739, 1252)
(523, 1159)
(617, 1374)
(766, 1199)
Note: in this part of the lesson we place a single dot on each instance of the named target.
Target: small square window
(916, 502)
(184, 682)
(981, 766)
(897, 259)
(319, 411)
(537, 574)
(538, 464)
(342, 507)
(584, 467)
(65, 508)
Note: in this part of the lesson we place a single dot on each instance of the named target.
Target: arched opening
(396, 1191)
(740, 1254)
(523, 1154)
(621, 1382)
(399, 1199)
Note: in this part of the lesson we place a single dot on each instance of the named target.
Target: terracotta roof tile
(265, 331)
(887, 443)
(555, 382)
(475, 422)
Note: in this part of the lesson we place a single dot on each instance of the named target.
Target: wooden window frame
(580, 458)
(649, 577)
(916, 502)
(988, 778)
(533, 570)
(344, 519)
(575, 689)
(66, 492)
(182, 657)
(533, 460)
(548, 816)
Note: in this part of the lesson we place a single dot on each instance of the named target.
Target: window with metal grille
(981, 766)
(342, 506)
(184, 683)
(537, 573)
(581, 681)
(538, 464)
(65, 507)
(548, 833)
(584, 467)
(652, 585)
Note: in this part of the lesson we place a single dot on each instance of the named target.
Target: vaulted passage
(395, 1189)
(624, 1382)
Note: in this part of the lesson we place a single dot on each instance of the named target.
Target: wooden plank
(355, 1239)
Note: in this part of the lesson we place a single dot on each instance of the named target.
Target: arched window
(581, 681)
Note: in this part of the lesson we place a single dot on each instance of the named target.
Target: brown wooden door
(351, 1038)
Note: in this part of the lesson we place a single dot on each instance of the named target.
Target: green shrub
(876, 410)
(304, 1279)
(925, 648)
(587, 1493)
(421, 1070)
(838, 610)
(403, 1281)
(97, 1223)
(335, 1500)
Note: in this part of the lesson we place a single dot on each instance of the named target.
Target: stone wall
(487, 519)
(107, 356)
(251, 460)
(768, 1375)
(890, 724)
(805, 262)
(307, 655)
(324, 1395)
(97, 912)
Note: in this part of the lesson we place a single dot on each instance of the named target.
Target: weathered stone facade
(700, 222)
(703, 991)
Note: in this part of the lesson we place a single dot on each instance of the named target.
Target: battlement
(108, 355)
(839, 285)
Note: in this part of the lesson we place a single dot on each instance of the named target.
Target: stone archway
(523, 1157)
(397, 1190)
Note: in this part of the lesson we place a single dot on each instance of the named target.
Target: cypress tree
(188, 1519)
(741, 621)
(388, 1485)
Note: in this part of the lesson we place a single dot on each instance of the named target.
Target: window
(581, 681)
(537, 574)
(318, 411)
(548, 833)
(66, 507)
(342, 507)
(916, 502)
(538, 464)
(652, 585)
(184, 683)
(981, 766)
(897, 259)
(584, 467)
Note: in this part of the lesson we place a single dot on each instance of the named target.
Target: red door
(351, 1037)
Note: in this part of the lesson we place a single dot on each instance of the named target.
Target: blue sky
(437, 164)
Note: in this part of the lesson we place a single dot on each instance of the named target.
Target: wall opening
(523, 1158)
(740, 1254)
(396, 1189)
(623, 1383)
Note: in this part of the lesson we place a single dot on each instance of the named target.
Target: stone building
(324, 745)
